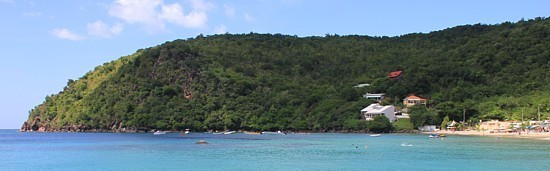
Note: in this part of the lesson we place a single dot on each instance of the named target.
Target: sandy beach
(530, 135)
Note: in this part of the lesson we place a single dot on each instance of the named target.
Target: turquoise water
(113, 151)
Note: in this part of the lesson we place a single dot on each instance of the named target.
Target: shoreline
(524, 135)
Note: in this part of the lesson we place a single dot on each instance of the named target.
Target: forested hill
(279, 82)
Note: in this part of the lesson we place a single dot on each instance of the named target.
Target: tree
(444, 123)
(380, 124)
(421, 116)
(449, 109)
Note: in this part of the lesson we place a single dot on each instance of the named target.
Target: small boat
(375, 135)
(217, 133)
(201, 142)
(186, 131)
(228, 132)
(252, 133)
(274, 133)
(159, 133)
(442, 135)
(433, 136)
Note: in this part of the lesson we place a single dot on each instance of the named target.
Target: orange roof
(394, 74)
(411, 97)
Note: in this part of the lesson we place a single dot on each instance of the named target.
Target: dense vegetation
(278, 82)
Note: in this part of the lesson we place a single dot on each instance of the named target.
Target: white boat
(273, 133)
(228, 132)
(159, 133)
(186, 131)
(252, 133)
(375, 135)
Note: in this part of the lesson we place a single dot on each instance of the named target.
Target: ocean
(319, 151)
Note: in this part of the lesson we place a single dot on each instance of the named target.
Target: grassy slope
(403, 124)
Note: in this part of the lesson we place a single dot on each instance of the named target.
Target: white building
(377, 97)
(376, 109)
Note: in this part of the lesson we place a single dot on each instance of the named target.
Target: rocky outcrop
(70, 128)
(33, 126)
(24, 127)
(38, 125)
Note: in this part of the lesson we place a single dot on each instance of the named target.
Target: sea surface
(321, 151)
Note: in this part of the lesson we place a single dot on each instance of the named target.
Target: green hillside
(279, 82)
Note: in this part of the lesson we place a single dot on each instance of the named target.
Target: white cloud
(66, 34)
(138, 12)
(220, 29)
(229, 11)
(96, 29)
(200, 5)
(154, 14)
(116, 29)
(102, 30)
(248, 17)
(174, 13)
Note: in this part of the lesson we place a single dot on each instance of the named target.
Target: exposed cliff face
(38, 126)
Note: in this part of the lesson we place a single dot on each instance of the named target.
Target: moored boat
(228, 132)
(252, 133)
(273, 133)
(375, 135)
(160, 132)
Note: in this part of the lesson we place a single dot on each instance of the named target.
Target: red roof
(413, 97)
(394, 74)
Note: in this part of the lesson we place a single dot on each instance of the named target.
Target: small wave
(406, 145)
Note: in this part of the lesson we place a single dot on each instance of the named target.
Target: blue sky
(45, 43)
